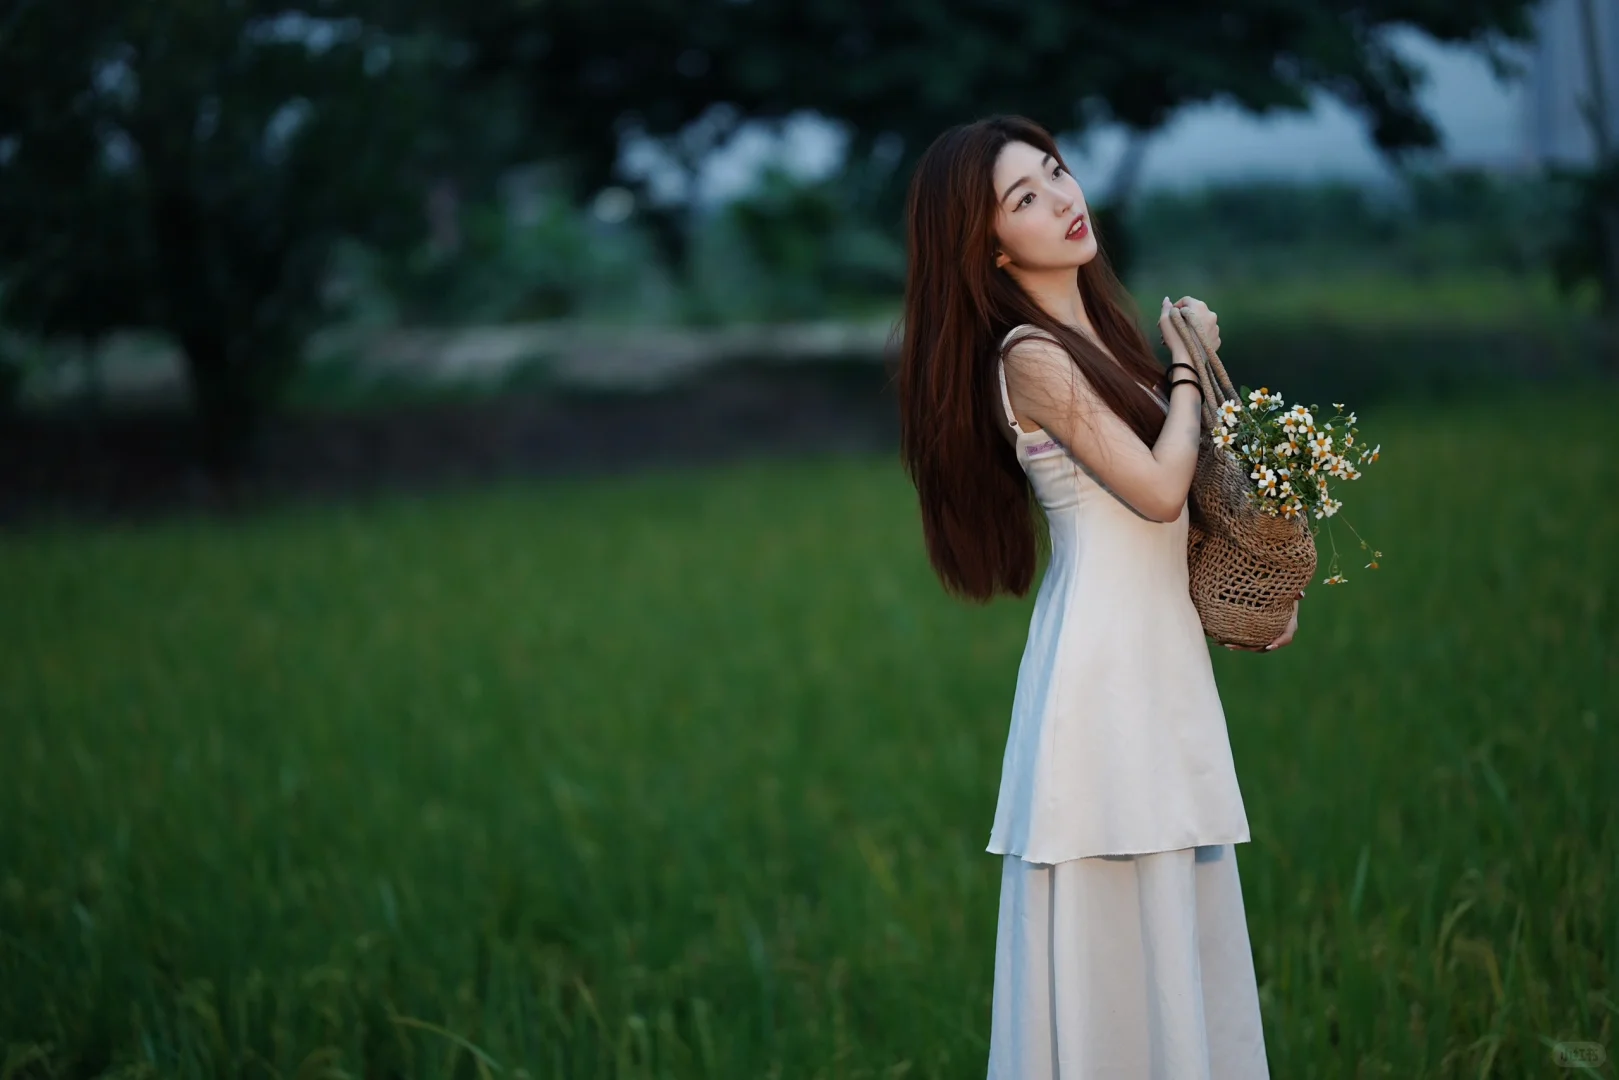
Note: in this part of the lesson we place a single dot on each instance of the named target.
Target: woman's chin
(1082, 254)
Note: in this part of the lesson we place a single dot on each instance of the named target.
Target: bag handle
(1211, 373)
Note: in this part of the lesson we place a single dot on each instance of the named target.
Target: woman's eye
(1057, 171)
(1025, 200)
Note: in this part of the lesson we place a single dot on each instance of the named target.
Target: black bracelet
(1173, 366)
(1188, 382)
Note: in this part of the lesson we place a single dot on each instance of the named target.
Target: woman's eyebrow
(1022, 179)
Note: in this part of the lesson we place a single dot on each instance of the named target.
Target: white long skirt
(1125, 966)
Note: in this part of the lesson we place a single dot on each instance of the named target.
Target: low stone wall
(629, 358)
(137, 464)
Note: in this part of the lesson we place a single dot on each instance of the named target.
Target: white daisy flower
(1229, 411)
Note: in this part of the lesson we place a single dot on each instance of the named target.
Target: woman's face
(1041, 222)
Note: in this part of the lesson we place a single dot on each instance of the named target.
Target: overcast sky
(1481, 121)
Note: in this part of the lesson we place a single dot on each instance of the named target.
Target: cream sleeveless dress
(1122, 946)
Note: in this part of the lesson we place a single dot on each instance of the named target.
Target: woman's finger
(1286, 636)
(1171, 337)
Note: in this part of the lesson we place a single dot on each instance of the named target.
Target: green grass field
(691, 774)
(1457, 300)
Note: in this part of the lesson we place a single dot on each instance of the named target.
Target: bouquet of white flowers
(1292, 460)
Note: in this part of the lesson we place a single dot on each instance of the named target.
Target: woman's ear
(1001, 259)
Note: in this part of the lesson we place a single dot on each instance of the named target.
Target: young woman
(1122, 948)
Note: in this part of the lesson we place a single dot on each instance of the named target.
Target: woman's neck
(1058, 296)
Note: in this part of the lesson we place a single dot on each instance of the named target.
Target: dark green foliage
(898, 73)
(1432, 223)
(188, 166)
(1583, 251)
(809, 249)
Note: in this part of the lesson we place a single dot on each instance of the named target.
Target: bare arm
(1049, 389)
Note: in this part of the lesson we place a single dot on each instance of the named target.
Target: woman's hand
(1286, 635)
(1167, 333)
(1202, 319)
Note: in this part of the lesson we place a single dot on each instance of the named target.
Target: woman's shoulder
(1030, 341)
(1018, 332)
(1030, 348)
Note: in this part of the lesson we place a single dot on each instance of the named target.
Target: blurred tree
(896, 73)
(1590, 248)
(804, 251)
(188, 165)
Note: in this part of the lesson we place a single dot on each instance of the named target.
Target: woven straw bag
(1245, 567)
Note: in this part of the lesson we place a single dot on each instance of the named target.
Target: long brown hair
(979, 517)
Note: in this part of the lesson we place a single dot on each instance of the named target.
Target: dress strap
(1000, 370)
